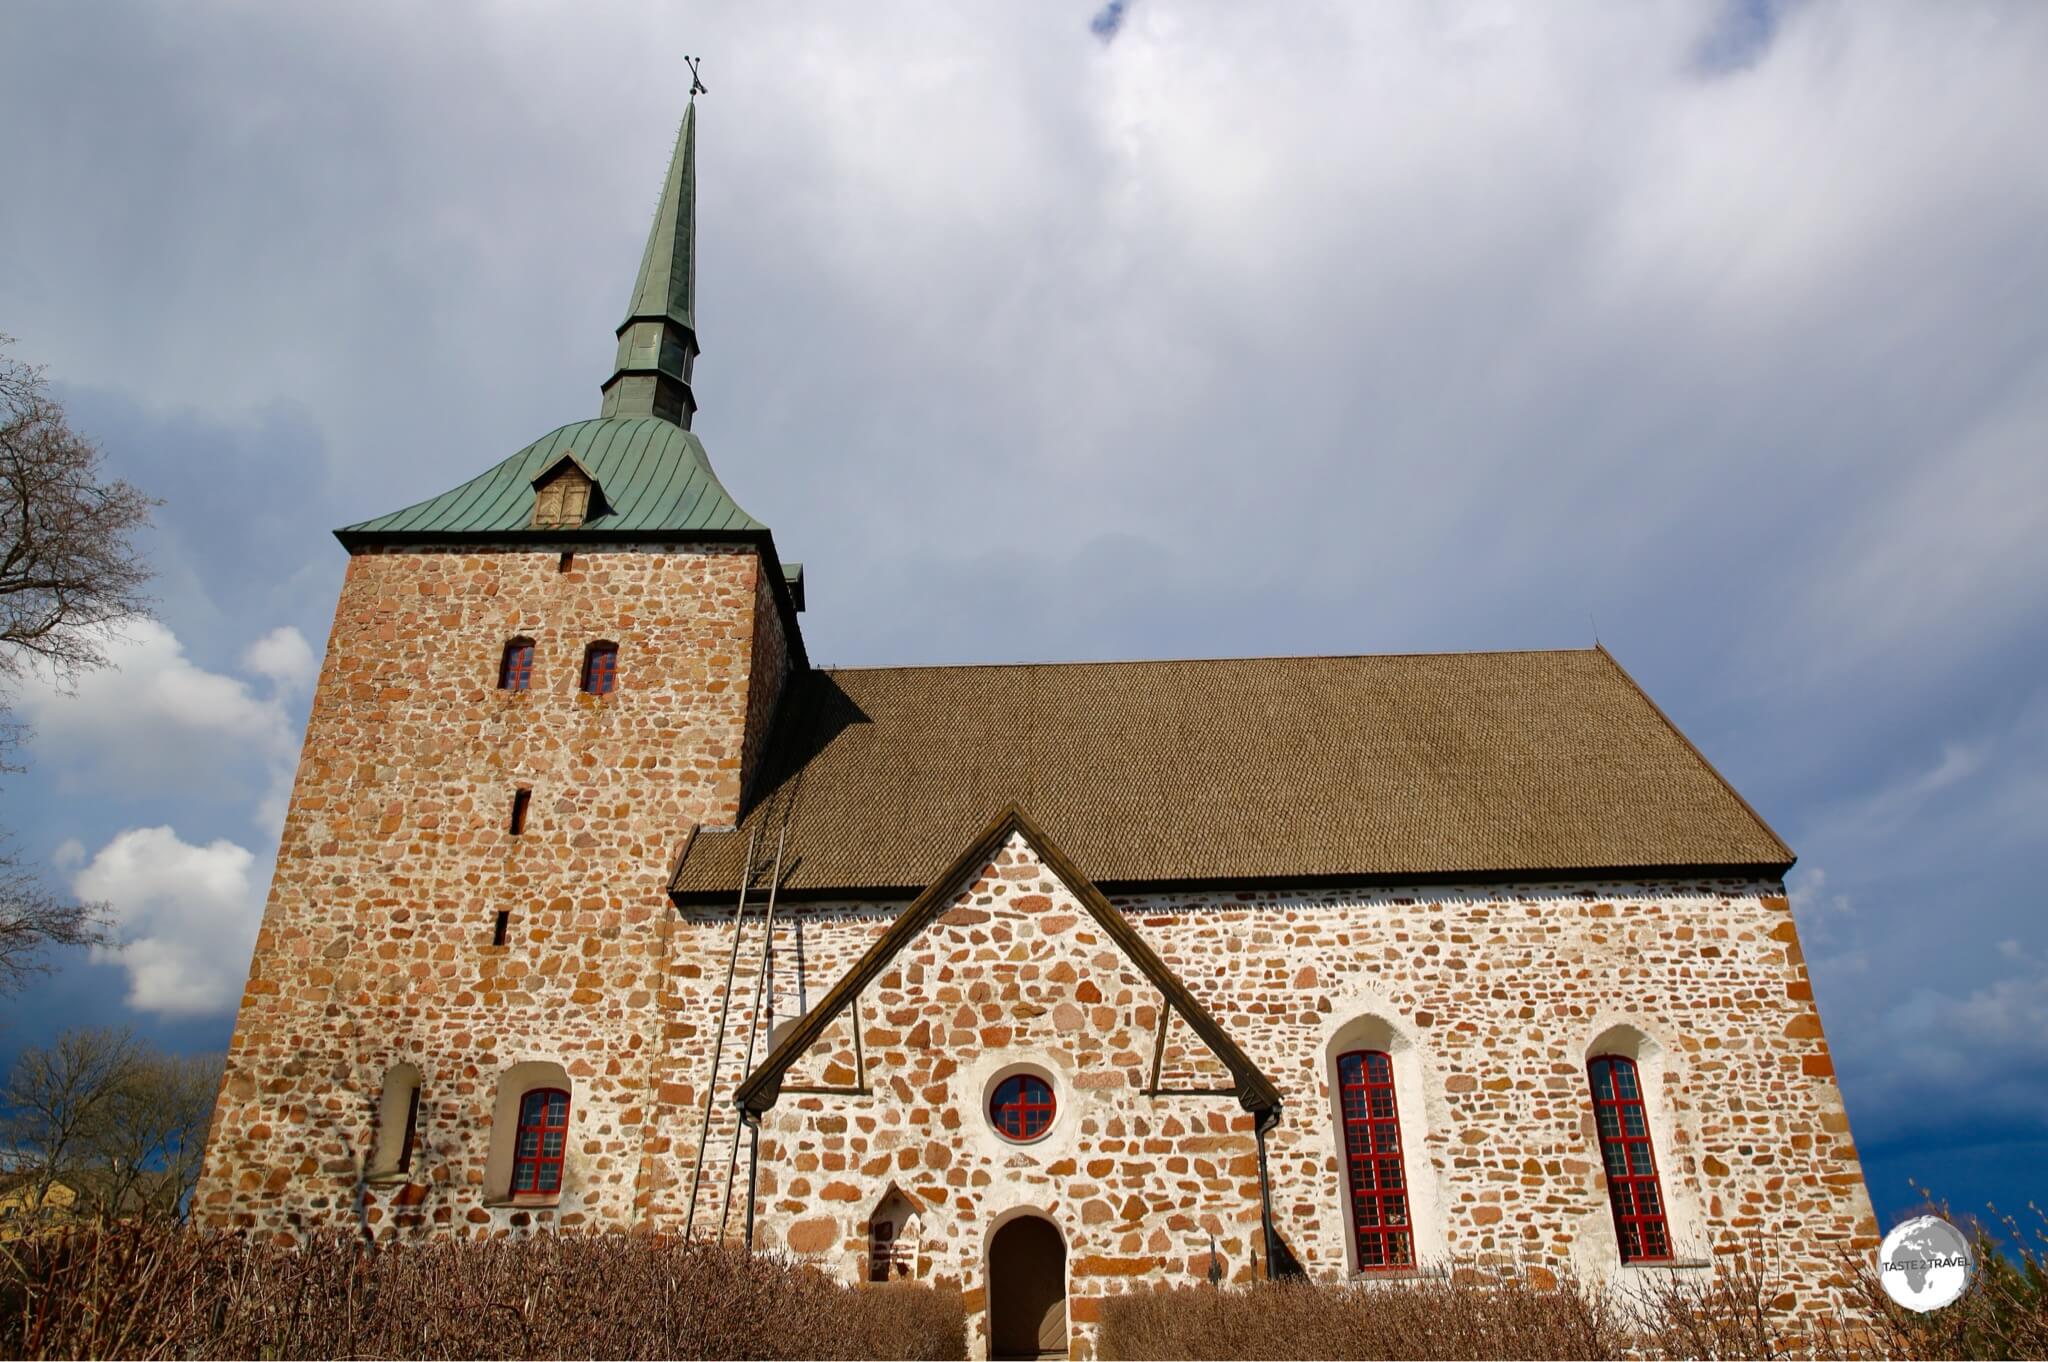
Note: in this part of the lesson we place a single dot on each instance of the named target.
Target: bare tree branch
(70, 573)
(33, 919)
(61, 1100)
(69, 568)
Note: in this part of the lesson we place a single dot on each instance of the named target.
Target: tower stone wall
(376, 947)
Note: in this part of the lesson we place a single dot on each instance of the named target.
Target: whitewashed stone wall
(1491, 1001)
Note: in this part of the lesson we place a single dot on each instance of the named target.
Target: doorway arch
(1027, 1289)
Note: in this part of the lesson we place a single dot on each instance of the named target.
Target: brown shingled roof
(1273, 770)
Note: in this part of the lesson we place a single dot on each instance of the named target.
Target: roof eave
(1722, 870)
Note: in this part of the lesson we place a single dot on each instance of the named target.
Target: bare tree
(69, 575)
(69, 568)
(118, 1124)
(61, 1100)
(146, 1155)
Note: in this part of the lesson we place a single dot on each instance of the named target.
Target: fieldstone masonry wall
(376, 945)
(376, 952)
(1499, 996)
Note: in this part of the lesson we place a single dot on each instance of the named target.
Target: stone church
(599, 907)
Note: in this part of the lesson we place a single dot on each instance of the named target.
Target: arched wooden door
(1027, 1290)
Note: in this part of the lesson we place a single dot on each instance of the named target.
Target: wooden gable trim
(568, 456)
(1254, 1091)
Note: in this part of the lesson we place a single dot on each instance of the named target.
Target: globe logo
(1925, 1263)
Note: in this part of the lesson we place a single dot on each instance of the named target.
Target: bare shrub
(2004, 1313)
(152, 1291)
(1741, 1309)
(1448, 1317)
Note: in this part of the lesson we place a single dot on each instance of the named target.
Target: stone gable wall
(1015, 973)
(1491, 1000)
(376, 944)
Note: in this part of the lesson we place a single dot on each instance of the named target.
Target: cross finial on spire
(697, 86)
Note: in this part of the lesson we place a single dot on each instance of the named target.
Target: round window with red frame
(1022, 1107)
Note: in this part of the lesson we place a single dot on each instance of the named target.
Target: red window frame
(601, 668)
(1380, 1228)
(1022, 1108)
(1633, 1191)
(542, 1142)
(515, 668)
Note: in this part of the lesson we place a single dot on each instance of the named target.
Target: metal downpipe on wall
(1267, 1120)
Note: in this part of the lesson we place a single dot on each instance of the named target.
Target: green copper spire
(658, 339)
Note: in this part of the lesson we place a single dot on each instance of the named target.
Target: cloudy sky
(1039, 334)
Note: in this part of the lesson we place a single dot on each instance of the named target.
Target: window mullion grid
(1379, 1189)
(1635, 1193)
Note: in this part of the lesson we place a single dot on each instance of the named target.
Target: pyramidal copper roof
(1241, 771)
(654, 476)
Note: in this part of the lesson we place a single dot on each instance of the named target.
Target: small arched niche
(893, 1238)
(527, 1076)
(398, 1114)
(1418, 1103)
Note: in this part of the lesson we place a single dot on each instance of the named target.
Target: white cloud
(155, 722)
(284, 656)
(1993, 1038)
(1815, 907)
(185, 917)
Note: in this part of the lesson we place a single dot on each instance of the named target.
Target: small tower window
(398, 1122)
(601, 668)
(515, 669)
(1632, 1186)
(412, 1128)
(562, 501)
(543, 1140)
(521, 798)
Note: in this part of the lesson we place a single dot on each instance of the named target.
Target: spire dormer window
(562, 497)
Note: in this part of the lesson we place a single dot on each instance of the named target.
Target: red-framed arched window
(601, 668)
(1632, 1187)
(1022, 1107)
(1372, 1161)
(543, 1137)
(515, 668)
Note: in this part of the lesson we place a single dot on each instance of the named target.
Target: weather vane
(697, 86)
